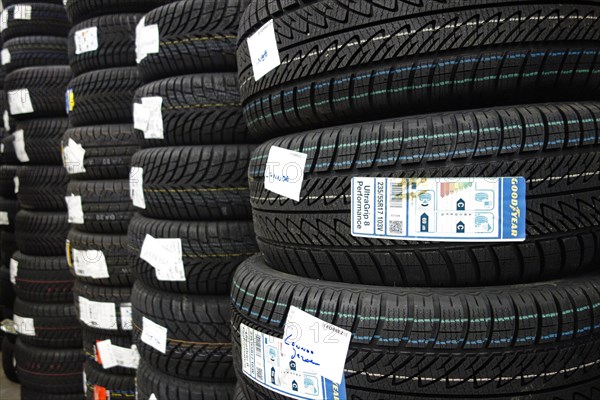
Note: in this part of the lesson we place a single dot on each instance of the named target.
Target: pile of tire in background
(48, 350)
(189, 185)
(97, 150)
(395, 89)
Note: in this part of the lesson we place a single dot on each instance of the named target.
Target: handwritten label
(73, 157)
(166, 256)
(14, 270)
(97, 314)
(75, 209)
(19, 146)
(5, 56)
(86, 40)
(266, 360)
(25, 326)
(90, 263)
(439, 209)
(284, 172)
(136, 187)
(146, 40)
(263, 50)
(22, 11)
(154, 335)
(19, 102)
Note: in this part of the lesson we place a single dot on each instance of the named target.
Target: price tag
(284, 172)
(263, 50)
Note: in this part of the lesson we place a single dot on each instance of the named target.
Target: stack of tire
(396, 89)
(48, 350)
(190, 187)
(97, 152)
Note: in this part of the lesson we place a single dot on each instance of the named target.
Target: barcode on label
(397, 197)
(259, 373)
(258, 344)
(396, 227)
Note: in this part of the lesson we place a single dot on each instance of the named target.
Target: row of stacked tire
(97, 153)
(395, 89)
(189, 186)
(34, 56)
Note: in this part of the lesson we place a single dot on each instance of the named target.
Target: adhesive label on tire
(73, 157)
(24, 326)
(19, 146)
(86, 40)
(14, 270)
(5, 56)
(98, 315)
(263, 50)
(75, 209)
(90, 263)
(4, 218)
(439, 209)
(110, 355)
(266, 360)
(19, 102)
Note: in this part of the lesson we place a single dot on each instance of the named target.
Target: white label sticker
(25, 326)
(1, 147)
(6, 118)
(284, 172)
(116, 356)
(17, 184)
(14, 270)
(5, 56)
(147, 40)
(4, 20)
(141, 115)
(439, 209)
(19, 102)
(4, 218)
(154, 128)
(263, 50)
(126, 322)
(166, 256)
(22, 11)
(154, 335)
(97, 314)
(136, 187)
(86, 40)
(278, 367)
(84, 383)
(152, 397)
(75, 209)
(73, 157)
(19, 146)
(90, 263)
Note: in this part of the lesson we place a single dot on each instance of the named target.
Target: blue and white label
(439, 209)
(266, 360)
(263, 50)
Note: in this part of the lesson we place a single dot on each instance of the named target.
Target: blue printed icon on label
(439, 209)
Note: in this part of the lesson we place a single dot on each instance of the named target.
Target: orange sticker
(100, 393)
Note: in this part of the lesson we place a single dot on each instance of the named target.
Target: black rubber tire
(151, 381)
(28, 394)
(46, 19)
(345, 62)
(91, 337)
(198, 334)
(104, 96)
(195, 182)
(438, 335)
(554, 146)
(46, 86)
(6, 3)
(211, 252)
(9, 365)
(43, 279)
(55, 324)
(120, 296)
(116, 386)
(116, 43)
(116, 253)
(239, 393)
(42, 139)
(197, 110)
(11, 207)
(31, 51)
(43, 188)
(108, 150)
(8, 246)
(80, 10)
(41, 233)
(106, 205)
(50, 371)
(7, 294)
(9, 156)
(194, 37)
(7, 181)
